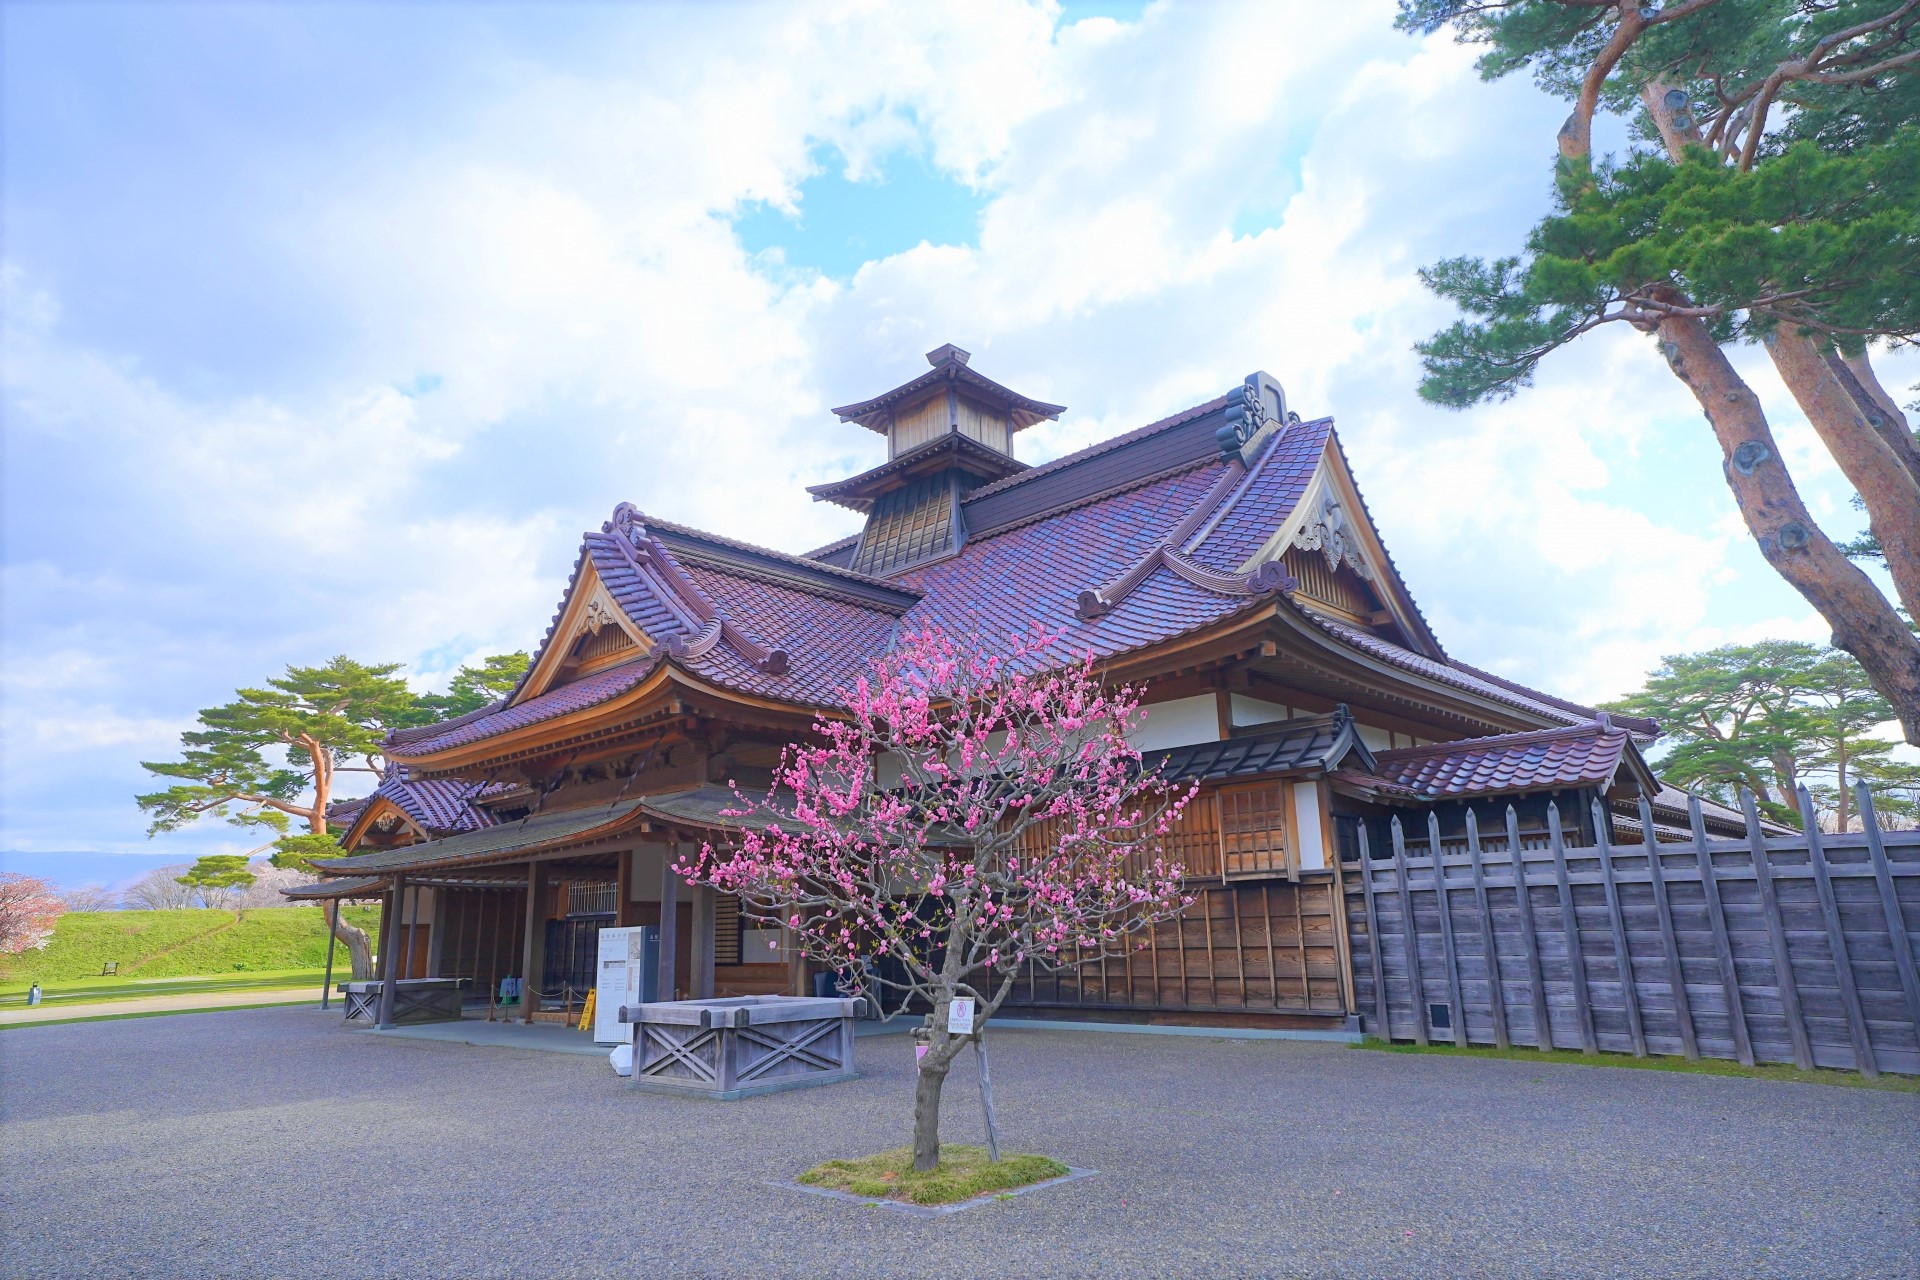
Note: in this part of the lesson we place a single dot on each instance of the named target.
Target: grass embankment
(178, 944)
(1704, 1067)
(964, 1173)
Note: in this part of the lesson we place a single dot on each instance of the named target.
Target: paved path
(186, 1001)
(278, 1143)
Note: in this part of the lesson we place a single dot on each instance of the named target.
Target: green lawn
(99, 990)
(1704, 1067)
(179, 944)
(964, 1173)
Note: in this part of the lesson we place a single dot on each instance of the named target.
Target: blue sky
(329, 328)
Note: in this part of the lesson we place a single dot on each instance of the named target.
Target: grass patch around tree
(1704, 1067)
(964, 1173)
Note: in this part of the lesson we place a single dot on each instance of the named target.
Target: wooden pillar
(533, 953)
(623, 890)
(701, 986)
(669, 919)
(389, 931)
(333, 925)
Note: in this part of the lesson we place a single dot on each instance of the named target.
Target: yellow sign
(586, 1013)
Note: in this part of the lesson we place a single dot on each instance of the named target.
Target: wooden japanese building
(1223, 556)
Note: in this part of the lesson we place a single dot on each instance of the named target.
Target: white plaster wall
(1376, 739)
(1258, 710)
(1306, 811)
(1178, 723)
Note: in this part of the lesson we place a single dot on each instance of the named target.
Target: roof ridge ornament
(684, 598)
(1257, 402)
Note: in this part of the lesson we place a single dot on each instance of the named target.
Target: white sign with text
(960, 1017)
(610, 988)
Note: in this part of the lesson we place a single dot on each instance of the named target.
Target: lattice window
(586, 898)
(726, 929)
(1253, 830)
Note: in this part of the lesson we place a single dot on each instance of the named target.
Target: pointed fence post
(1669, 942)
(1837, 944)
(1777, 935)
(1443, 899)
(1495, 991)
(1373, 939)
(1722, 944)
(1570, 920)
(1411, 934)
(1890, 903)
(1529, 937)
(1623, 958)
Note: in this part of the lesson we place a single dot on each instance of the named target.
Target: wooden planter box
(741, 1046)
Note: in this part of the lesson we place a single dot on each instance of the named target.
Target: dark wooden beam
(669, 919)
(389, 931)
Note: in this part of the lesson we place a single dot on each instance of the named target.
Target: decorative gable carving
(1327, 531)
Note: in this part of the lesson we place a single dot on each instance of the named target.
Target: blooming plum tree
(28, 908)
(1020, 827)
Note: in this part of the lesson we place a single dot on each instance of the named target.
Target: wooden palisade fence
(1797, 949)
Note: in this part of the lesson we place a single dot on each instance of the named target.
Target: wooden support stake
(1863, 1058)
(1496, 993)
(1443, 899)
(1669, 941)
(1777, 935)
(333, 925)
(1570, 920)
(1623, 958)
(1529, 937)
(1412, 936)
(1890, 903)
(1722, 944)
(1385, 1029)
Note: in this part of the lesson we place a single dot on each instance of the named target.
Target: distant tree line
(1772, 717)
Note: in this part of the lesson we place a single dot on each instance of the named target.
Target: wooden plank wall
(481, 935)
(1261, 947)
(1787, 950)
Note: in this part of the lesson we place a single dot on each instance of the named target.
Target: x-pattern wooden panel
(796, 1049)
(680, 1052)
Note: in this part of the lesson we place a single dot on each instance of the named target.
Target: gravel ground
(274, 1142)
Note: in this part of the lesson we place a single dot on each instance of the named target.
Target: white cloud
(543, 309)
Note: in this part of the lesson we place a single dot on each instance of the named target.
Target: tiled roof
(505, 840)
(1082, 521)
(1510, 763)
(336, 887)
(703, 806)
(577, 696)
(1310, 742)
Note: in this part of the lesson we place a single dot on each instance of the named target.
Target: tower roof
(950, 367)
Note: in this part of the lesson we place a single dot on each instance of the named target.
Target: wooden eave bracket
(689, 605)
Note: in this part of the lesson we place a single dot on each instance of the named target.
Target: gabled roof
(1591, 755)
(1166, 527)
(949, 367)
(1305, 744)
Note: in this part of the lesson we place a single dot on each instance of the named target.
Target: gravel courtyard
(274, 1142)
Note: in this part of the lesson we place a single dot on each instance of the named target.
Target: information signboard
(610, 986)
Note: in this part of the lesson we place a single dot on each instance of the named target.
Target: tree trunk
(1838, 406)
(1863, 620)
(359, 946)
(1893, 422)
(926, 1105)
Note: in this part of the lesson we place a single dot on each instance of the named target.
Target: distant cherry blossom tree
(28, 908)
(1020, 828)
